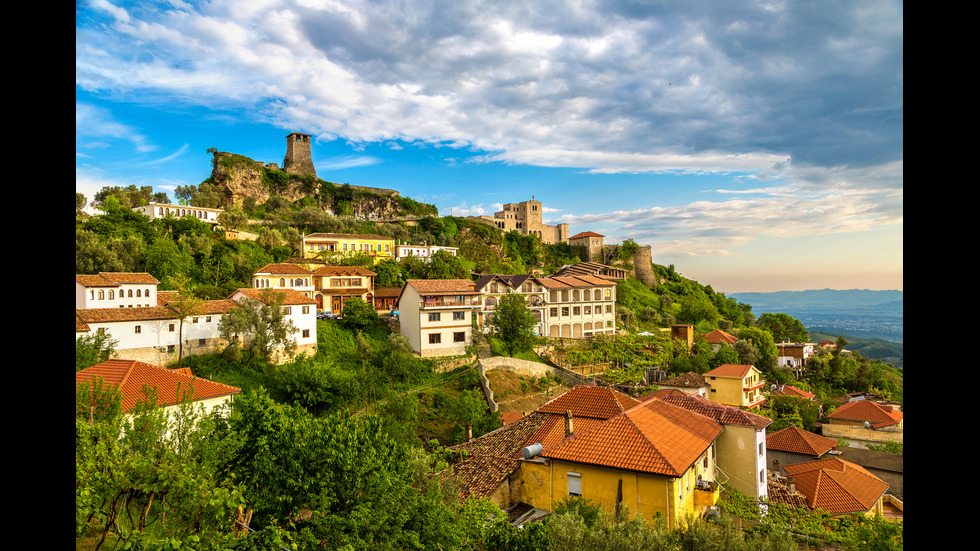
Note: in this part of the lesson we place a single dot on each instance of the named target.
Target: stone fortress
(526, 218)
(299, 161)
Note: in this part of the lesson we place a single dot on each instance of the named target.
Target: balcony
(706, 493)
(451, 303)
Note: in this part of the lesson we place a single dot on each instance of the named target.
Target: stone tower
(299, 156)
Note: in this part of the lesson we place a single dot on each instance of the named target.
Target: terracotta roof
(596, 402)
(660, 394)
(720, 337)
(797, 440)
(507, 441)
(730, 370)
(836, 486)
(108, 315)
(480, 475)
(778, 492)
(283, 268)
(112, 279)
(343, 270)
(793, 391)
(564, 282)
(866, 410)
(654, 437)
(130, 376)
(512, 281)
(726, 415)
(687, 380)
(586, 234)
(443, 286)
(387, 291)
(292, 296)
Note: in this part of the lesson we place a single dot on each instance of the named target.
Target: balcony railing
(451, 303)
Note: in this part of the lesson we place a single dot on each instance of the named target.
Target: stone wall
(643, 265)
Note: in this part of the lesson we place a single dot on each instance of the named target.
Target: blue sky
(756, 146)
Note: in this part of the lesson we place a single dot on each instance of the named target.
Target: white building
(299, 308)
(424, 252)
(116, 290)
(161, 210)
(436, 315)
(284, 275)
(579, 306)
(493, 287)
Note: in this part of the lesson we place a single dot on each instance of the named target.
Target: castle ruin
(299, 155)
(526, 218)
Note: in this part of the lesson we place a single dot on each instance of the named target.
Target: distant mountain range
(856, 312)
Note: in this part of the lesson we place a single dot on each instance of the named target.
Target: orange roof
(292, 296)
(443, 286)
(343, 270)
(561, 282)
(724, 414)
(720, 337)
(283, 268)
(596, 402)
(836, 486)
(797, 440)
(129, 376)
(866, 410)
(586, 234)
(112, 279)
(730, 370)
(793, 391)
(654, 437)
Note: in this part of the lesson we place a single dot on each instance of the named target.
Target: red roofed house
(838, 487)
(284, 275)
(789, 390)
(736, 385)
(115, 290)
(864, 421)
(793, 354)
(131, 376)
(299, 308)
(650, 457)
(795, 445)
(717, 338)
(592, 243)
(436, 315)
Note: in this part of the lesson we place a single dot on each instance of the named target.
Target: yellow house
(651, 458)
(736, 385)
(376, 246)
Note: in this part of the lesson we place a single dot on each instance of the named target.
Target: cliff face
(241, 178)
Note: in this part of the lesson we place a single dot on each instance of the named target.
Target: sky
(754, 145)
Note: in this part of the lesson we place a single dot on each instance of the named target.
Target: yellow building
(651, 458)
(736, 385)
(322, 244)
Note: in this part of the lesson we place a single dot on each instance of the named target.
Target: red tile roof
(720, 337)
(690, 379)
(797, 440)
(130, 376)
(724, 414)
(325, 271)
(793, 391)
(596, 402)
(292, 297)
(866, 410)
(654, 437)
(443, 286)
(836, 486)
(283, 268)
(586, 234)
(730, 370)
(112, 279)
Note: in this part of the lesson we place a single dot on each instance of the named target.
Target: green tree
(233, 219)
(764, 343)
(513, 323)
(358, 315)
(783, 326)
(184, 305)
(93, 349)
(264, 320)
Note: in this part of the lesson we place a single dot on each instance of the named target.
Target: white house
(172, 385)
(436, 315)
(284, 275)
(162, 210)
(424, 252)
(493, 287)
(116, 290)
(299, 308)
(579, 306)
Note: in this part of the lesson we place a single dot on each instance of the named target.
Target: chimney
(568, 423)
(469, 432)
(790, 484)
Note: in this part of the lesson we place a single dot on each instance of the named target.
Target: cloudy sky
(755, 145)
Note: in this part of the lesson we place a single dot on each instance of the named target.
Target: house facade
(579, 306)
(423, 252)
(284, 275)
(378, 247)
(335, 285)
(493, 287)
(436, 315)
(161, 210)
(736, 385)
(116, 290)
(793, 354)
(299, 309)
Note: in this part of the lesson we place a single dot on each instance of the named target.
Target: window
(762, 476)
(170, 349)
(564, 310)
(282, 282)
(306, 309)
(200, 342)
(577, 311)
(588, 310)
(574, 484)
(435, 338)
(131, 293)
(553, 312)
(139, 329)
(288, 310)
(760, 448)
(208, 319)
(91, 295)
(459, 336)
(194, 320)
(433, 317)
(172, 328)
(306, 333)
(112, 294)
(146, 293)
(459, 316)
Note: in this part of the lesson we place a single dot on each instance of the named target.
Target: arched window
(112, 294)
(131, 293)
(282, 282)
(146, 293)
(101, 295)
